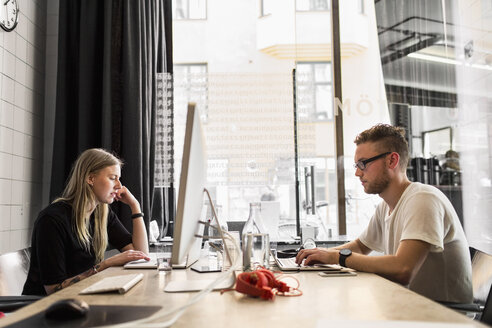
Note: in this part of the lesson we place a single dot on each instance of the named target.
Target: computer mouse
(67, 309)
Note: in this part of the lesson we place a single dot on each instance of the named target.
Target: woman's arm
(118, 259)
(139, 235)
(50, 289)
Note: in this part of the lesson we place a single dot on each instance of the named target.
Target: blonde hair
(79, 194)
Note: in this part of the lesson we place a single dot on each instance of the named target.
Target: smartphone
(337, 273)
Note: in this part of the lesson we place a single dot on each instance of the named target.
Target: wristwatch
(344, 253)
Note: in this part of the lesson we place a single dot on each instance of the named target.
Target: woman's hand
(123, 258)
(124, 195)
(139, 235)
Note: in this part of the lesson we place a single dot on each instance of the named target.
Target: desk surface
(365, 297)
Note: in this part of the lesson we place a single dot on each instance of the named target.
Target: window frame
(312, 6)
(313, 115)
(187, 16)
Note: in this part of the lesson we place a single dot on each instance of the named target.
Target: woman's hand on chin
(125, 196)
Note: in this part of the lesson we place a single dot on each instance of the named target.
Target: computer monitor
(186, 244)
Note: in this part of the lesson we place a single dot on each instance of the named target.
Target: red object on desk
(261, 283)
(2, 315)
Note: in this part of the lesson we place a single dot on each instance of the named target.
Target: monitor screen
(186, 247)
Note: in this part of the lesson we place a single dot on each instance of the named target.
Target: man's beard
(379, 185)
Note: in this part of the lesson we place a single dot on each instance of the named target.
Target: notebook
(144, 264)
(289, 264)
(120, 284)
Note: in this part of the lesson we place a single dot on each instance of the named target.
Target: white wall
(22, 71)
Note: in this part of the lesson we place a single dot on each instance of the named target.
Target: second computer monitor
(186, 246)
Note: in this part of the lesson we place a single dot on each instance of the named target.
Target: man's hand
(317, 255)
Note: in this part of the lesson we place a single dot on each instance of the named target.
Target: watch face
(9, 14)
(345, 252)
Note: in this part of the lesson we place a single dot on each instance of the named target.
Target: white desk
(366, 297)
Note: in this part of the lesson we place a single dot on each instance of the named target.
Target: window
(312, 5)
(266, 7)
(190, 9)
(360, 7)
(190, 85)
(314, 92)
(246, 94)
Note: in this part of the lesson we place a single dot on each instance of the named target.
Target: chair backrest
(481, 276)
(13, 271)
(486, 316)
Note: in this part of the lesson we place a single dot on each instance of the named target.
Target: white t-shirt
(425, 213)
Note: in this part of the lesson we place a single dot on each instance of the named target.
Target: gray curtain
(109, 54)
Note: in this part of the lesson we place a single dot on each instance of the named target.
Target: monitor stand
(181, 265)
(207, 264)
(187, 263)
(198, 285)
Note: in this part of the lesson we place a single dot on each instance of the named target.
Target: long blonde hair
(79, 194)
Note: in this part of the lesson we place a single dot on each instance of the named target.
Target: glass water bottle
(255, 240)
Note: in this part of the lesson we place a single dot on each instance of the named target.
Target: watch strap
(342, 257)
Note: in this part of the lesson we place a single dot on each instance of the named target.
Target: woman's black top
(56, 253)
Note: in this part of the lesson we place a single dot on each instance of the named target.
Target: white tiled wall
(22, 89)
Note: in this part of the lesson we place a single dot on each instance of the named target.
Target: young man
(415, 227)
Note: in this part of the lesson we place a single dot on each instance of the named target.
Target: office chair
(482, 287)
(13, 272)
(486, 316)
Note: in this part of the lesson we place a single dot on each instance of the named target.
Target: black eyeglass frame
(361, 165)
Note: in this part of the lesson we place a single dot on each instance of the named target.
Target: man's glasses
(363, 164)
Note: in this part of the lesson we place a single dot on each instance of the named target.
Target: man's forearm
(400, 267)
(355, 246)
(388, 266)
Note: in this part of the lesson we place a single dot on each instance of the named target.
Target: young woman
(70, 236)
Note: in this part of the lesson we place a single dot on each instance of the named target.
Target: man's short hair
(387, 138)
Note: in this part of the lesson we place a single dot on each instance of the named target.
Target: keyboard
(120, 284)
(144, 264)
(289, 264)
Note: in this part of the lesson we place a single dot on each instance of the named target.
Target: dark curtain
(108, 55)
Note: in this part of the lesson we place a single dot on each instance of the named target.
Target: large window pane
(436, 79)
(245, 94)
(473, 49)
(364, 103)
